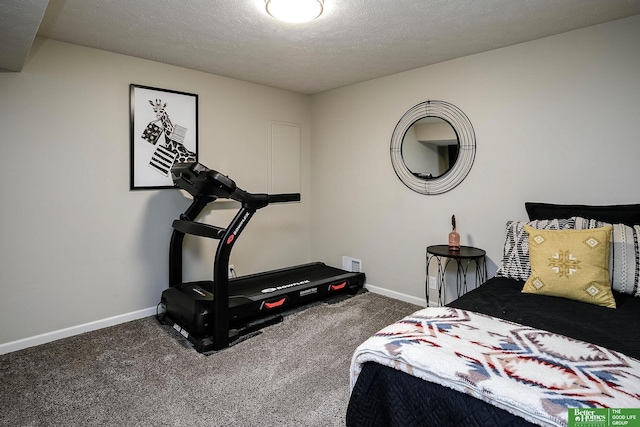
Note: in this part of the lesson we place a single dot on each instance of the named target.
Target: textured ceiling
(353, 41)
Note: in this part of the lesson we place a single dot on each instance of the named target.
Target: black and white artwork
(164, 131)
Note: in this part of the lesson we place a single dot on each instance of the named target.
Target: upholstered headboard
(613, 214)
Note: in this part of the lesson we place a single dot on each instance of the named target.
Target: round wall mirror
(433, 147)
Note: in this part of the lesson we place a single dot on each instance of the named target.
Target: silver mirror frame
(466, 153)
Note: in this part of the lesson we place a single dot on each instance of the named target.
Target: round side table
(463, 258)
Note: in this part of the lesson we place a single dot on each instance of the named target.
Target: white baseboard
(75, 330)
(396, 295)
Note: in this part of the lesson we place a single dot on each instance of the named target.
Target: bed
(509, 353)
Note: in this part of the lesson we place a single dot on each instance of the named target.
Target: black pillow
(613, 214)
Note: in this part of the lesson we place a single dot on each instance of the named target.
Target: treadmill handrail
(284, 198)
(198, 229)
(260, 200)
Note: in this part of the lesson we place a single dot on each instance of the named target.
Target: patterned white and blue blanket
(531, 373)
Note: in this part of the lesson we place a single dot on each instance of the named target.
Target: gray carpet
(140, 373)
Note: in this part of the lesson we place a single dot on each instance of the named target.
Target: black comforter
(384, 396)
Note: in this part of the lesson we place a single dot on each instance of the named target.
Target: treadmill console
(199, 180)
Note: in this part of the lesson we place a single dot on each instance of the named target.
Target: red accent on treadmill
(275, 304)
(230, 239)
(338, 287)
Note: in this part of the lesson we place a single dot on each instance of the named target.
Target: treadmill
(214, 314)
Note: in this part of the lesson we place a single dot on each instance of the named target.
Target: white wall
(556, 120)
(76, 245)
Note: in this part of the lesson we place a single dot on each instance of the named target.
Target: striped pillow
(515, 257)
(624, 257)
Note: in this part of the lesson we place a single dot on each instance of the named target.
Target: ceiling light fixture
(295, 11)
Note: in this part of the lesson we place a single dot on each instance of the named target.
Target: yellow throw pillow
(571, 264)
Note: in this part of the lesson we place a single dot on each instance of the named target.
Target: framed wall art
(164, 131)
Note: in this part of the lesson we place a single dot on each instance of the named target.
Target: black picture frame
(164, 130)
